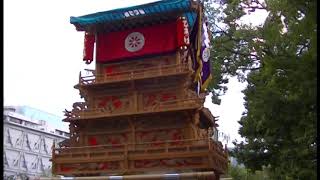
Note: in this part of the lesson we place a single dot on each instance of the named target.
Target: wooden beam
(189, 175)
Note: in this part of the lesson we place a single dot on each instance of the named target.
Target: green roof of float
(121, 18)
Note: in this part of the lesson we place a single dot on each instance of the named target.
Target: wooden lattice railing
(170, 105)
(192, 154)
(141, 73)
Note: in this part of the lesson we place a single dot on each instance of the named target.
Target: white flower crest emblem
(134, 42)
(206, 54)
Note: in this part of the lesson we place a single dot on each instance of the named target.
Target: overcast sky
(43, 57)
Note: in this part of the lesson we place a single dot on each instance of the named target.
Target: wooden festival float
(143, 104)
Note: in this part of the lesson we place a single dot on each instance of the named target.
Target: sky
(43, 58)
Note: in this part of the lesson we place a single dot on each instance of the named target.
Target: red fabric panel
(104, 166)
(104, 102)
(177, 135)
(151, 100)
(115, 141)
(191, 163)
(168, 96)
(66, 169)
(157, 39)
(143, 134)
(155, 138)
(124, 136)
(117, 103)
(146, 162)
(93, 141)
(182, 33)
(179, 164)
(88, 46)
(109, 70)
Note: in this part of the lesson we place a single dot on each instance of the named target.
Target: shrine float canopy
(137, 16)
(132, 30)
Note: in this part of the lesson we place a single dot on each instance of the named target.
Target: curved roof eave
(142, 14)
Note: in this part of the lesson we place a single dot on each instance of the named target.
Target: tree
(234, 46)
(278, 61)
(241, 173)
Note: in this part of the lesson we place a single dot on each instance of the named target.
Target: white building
(28, 139)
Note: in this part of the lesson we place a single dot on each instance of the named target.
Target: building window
(6, 164)
(8, 139)
(27, 142)
(44, 145)
(36, 146)
(18, 142)
(24, 164)
(15, 162)
(33, 165)
(15, 120)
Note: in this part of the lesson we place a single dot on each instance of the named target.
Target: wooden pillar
(178, 57)
(196, 118)
(196, 121)
(193, 132)
(82, 141)
(135, 101)
(134, 97)
(133, 131)
(217, 176)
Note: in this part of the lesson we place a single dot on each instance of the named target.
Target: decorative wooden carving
(64, 143)
(168, 163)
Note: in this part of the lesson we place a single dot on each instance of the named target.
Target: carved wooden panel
(140, 64)
(111, 126)
(152, 100)
(160, 135)
(89, 167)
(164, 121)
(113, 104)
(168, 163)
(107, 139)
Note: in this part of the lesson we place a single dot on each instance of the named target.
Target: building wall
(27, 145)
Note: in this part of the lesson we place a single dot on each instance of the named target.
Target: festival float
(143, 113)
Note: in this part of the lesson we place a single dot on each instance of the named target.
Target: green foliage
(237, 173)
(278, 61)
(241, 173)
(232, 46)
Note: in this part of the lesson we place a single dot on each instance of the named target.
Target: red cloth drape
(182, 32)
(89, 40)
(93, 141)
(139, 41)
